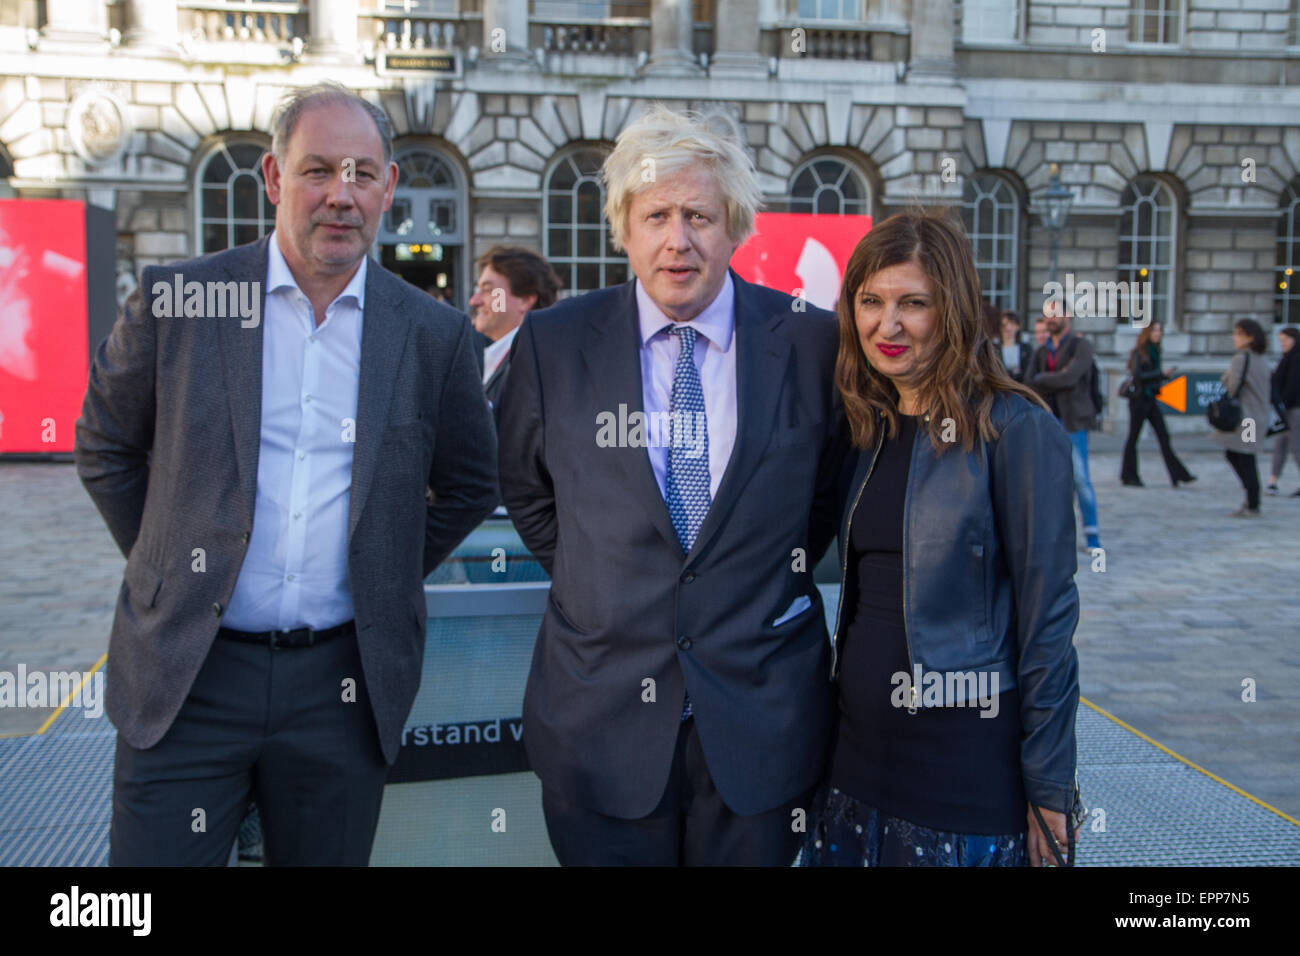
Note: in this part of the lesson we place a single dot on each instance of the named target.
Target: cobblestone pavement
(1191, 603)
(60, 580)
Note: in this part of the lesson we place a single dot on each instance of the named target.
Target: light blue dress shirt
(295, 572)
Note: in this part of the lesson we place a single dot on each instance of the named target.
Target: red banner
(43, 323)
(800, 254)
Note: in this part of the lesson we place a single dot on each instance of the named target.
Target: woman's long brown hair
(1140, 346)
(959, 372)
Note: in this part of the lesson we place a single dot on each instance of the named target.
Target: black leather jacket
(988, 576)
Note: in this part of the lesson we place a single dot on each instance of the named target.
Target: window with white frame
(829, 9)
(1146, 245)
(990, 21)
(829, 186)
(1287, 296)
(1155, 21)
(576, 237)
(991, 213)
(233, 208)
(589, 9)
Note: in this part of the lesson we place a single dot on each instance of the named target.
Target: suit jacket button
(688, 577)
(684, 642)
(244, 537)
(216, 609)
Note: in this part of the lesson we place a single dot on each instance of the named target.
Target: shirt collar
(716, 323)
(494, 352)
(278, 275)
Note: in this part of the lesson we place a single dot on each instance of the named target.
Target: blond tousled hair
(664, 141)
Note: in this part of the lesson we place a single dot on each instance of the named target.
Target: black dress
(937, 786)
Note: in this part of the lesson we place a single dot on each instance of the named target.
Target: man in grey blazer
(669, 452)
(283, 439)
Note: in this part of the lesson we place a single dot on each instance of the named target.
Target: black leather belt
(299, 637)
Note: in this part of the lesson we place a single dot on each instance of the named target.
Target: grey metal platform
(55, 802)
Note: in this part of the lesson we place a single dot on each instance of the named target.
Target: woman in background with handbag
(1247, 383)
(1146, 377)
(1286, 386)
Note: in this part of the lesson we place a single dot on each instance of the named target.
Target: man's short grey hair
(663, 142)
(299, 100)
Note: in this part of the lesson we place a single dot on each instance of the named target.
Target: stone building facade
(1174, 124)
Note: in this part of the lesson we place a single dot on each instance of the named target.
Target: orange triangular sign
(1174, 394)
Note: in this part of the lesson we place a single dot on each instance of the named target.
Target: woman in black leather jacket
(957, 676)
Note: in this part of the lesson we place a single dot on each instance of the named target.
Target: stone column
(333, 29)
(505, 34)
(932, 41)
(736, 39)
(670, 39)
(75, 21)
(151, 25)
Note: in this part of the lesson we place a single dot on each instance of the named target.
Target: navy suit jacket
(632, 623)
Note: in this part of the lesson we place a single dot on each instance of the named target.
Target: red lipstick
(891, 350)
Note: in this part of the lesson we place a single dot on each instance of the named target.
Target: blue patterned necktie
(686, 486)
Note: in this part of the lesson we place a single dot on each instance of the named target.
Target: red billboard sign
(800, 254)
(43, 323)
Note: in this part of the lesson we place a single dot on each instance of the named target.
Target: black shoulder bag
(1225, 412)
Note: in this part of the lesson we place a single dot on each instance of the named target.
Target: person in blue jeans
(1061, 371)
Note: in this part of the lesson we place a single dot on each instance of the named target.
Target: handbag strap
(1068, 859)
(1242, 384)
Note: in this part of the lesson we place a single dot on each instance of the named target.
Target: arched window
(991, 213)
(1287, 307)
(576, 238)
(233, 208)
(1146, 245)
(830, 186)
(426, 201)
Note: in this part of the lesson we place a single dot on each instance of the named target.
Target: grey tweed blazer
(167, 446)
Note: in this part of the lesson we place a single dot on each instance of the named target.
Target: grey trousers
(1289, 440)
(278, 725)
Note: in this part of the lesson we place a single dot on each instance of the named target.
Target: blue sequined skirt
(846, 832)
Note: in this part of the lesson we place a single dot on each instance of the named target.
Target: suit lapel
(761, 361)
(383, 332)
(241, 359)
(502, 367)
(612, 353)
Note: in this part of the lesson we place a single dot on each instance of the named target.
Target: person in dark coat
(1014, 351)
(1286, 392)
(1148, 376)
(512, 282)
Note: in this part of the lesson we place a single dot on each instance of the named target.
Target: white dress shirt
(715, 358)
(295, 572)
(494, 353)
